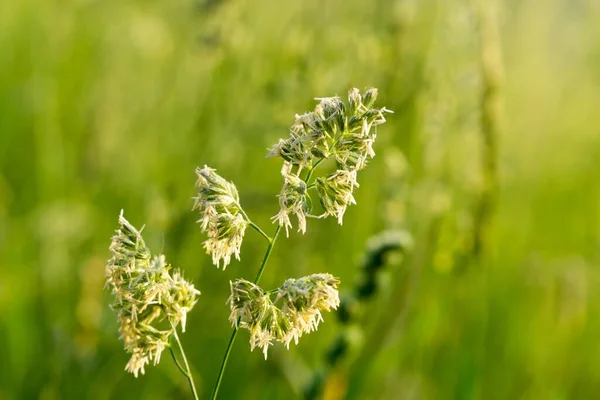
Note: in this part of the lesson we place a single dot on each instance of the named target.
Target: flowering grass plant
(151, 300)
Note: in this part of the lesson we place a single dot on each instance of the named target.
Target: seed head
(221, 216)
(252, 309)
(148, 300)
(336, 192)
(302, 302)
(304, 299)
(293, 199)
(334, 129)
(296, 150)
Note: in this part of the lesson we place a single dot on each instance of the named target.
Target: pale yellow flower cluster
(222, 217)
(334, 130)
(150, 300)
(302, 301)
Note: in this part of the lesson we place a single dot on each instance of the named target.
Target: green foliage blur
(110, 104)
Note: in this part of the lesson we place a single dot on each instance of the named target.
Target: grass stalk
(187, 372)
(491, 76)
(235, 330)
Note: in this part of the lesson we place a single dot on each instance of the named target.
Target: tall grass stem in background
(352, 310)
(491, 76)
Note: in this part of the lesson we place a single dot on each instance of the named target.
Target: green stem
(313, 170)
(224, 362)
(187, 372)
(235, 330)
(253, 225)
(177, 361)
(257, 229)
(267, 255)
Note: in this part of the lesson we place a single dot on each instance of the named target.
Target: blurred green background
(110, 104)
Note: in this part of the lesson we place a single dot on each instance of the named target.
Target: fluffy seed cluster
(149, 300)
(252, 309)
(293, 199)
(221, 216)
(334, 130)
(336, 192)
(302, 301)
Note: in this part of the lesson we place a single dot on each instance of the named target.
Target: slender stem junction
(253, 225)
(187, 372)
(312, 170)
(235, 330)
(257, 229)
(176, 361)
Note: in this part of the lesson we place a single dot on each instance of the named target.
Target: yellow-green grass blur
(110, 105)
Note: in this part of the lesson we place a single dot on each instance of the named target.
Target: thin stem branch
(313, 170)
(177, 361)
(235, 330)
(253, 225)
(267, 255)
(225, 359)
(257, 229)
(187, 372)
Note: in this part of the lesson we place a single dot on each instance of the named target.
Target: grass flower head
(302, 301)
(345, 132)
(150, 302)
(293, 199)
(221, 216)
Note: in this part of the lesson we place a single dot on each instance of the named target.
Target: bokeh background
(491, 163)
